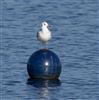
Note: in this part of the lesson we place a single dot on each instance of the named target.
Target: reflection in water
(45, 94)
(75, 28)
(44, 87)
(39, 83)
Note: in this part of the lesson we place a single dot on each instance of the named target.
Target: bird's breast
(45, 36)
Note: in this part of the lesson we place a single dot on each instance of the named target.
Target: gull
(44, 35)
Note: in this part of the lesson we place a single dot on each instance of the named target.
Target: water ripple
(75, 28)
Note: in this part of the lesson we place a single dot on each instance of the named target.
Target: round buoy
(44, 64)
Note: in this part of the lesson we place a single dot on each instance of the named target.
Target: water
(75, 29)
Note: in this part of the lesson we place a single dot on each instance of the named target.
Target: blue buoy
(44, 64)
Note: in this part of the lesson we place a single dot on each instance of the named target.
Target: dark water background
(75, 28)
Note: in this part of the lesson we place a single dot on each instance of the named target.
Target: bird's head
(45, 24)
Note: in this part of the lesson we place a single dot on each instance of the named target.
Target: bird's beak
(49, 27)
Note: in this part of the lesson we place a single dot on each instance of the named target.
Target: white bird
(44, 35)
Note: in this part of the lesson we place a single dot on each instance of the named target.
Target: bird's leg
(46, 45)
(42, 45)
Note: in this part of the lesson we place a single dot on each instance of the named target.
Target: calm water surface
(75, 29)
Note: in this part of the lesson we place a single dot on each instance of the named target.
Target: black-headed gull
(44, 35)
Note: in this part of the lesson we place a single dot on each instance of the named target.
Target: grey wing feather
(37, 35)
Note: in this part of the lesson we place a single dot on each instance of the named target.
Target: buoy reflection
(43, 85)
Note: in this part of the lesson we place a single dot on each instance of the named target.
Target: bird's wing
(37, 34)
